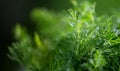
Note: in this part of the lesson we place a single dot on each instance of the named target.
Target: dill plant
(77, 40)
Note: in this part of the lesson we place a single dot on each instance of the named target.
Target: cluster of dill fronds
(77, 40)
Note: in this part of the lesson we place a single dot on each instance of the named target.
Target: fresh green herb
(77, 40)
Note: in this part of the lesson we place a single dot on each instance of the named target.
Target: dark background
(13, 11)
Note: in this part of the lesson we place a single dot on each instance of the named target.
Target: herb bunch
(77, 40)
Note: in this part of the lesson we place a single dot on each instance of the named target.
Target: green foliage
(77, 40)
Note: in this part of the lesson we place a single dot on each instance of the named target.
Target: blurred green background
(13, 11)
